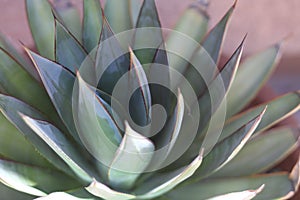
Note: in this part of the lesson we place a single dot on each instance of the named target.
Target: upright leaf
(92, 24)
(69, 15)
(121, 21)
(41, 22)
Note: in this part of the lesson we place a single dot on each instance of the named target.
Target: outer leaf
(18, 83)
(192, 25)
(69, 15)
(226, 150)
(148, 18)
(33, 180)
(277, 110)
(14, 146)
(259, 68)
(11, 107)
(100, 190)
(121, 21)
(67, 151)
(163, 183)
(59, 84)
(92, 24)
(244, 195)
(69, 52)
(61, 195)
(7, 46)
(8, 193)
(277, 185)
(134, 148)
(247, 161)
(41, 23)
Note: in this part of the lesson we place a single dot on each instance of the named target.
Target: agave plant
(64, 134)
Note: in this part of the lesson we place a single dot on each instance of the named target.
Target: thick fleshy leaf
(277, 185)
(92, 24)
(59, 84)
(33, 180)
(243, 195)
(217, 90)
(14, 146)
(111, 61)
(69, 52)
(41, 21)
(226, 150)
(247, 162)
(61, 195)
(18, 83)
(97, 127)
(64, 148)
(213, 42)
(162, 183)
(135, 7)
(68, 14)
(148, 33)
(121, 21)
(277, 110)
(9, 47)
(11, 107)
(259, 68)
(101, 190)
(9, 193)
(192, 27)
(134, 148)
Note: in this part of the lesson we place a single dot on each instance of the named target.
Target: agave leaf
(213, 41)
(207, 56)
(121, 21)
(101, 190)
(92, 24)
(150, 37)
(277, 186)
(15, 147)
(11, 107)
(217, 90)
(244, 195)
(138, 87)
(41, 22)
(277, 110)
(247, 162)
(96, 125)
(18, 83)
(69, 52)
(13, 194)
(59, 84)
(134, 148)
(162, 183)
(61, 195)
(68, 14)
(7, 46)
(259, 67)
(135, 7)
(192, 25)
(62, 146)
(111, 61)
(226, 150)
(33, 180)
